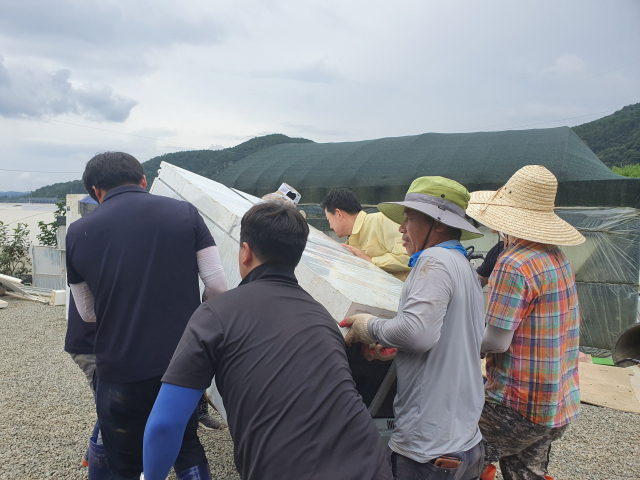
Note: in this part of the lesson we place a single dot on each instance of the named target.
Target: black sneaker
(207, 421)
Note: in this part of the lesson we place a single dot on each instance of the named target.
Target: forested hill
(211, 163)
(615, 139)
(208, 163)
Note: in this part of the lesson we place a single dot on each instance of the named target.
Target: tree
(14, 250)
(628, 170)
(48, 235)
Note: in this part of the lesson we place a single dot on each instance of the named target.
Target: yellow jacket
(379, 238)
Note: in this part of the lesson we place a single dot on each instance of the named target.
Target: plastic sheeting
(343, 283)
(607, 269)
(606, 266)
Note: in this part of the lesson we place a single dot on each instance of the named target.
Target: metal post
(382, 392)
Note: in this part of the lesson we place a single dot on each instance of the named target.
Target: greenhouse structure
(598, 202)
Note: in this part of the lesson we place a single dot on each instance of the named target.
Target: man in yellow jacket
(372, 237)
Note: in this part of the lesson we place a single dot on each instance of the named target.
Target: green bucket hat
(442, 199)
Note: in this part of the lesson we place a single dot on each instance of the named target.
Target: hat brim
(395, 211)
(533, 225)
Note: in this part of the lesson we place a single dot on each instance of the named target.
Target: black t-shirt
(81, 335)
(137, 253)
(490, 260)
(280, 365)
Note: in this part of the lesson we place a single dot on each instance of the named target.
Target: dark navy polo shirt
(81, 335)
(281, 367)
(137, 254)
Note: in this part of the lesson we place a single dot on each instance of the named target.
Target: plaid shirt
(532, 291)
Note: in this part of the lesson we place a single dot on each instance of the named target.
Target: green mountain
(208, 163)
(615, 139)
(211, 163)
(59, 190)
(13, 194)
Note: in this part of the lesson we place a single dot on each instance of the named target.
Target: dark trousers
(470, 467)
(123, 410)
(521, 446)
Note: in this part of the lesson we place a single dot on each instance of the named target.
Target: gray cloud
(311, 130)
(220, 72)
(112, 34)
(317, 72)
(25, 93)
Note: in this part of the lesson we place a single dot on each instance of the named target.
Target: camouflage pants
(521, 446)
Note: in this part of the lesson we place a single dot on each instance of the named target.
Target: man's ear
(247, 254)
(99, 193)
(338, 213)
(440, 227)
(143, 183)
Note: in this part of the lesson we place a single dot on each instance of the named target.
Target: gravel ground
(47, 413)
(46, 407)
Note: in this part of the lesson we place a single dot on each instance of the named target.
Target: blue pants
(470, 468)
(123, 410)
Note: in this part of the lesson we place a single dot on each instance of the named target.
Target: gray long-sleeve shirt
(438, 332)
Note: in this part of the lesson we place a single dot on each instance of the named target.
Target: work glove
(358, 333)
(378, 352)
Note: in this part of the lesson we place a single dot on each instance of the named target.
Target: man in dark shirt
(78, 343)
(484, 271)
(280, 365)
(133, 269)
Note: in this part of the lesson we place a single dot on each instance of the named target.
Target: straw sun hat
(524, 208)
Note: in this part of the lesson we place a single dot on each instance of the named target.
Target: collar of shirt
(271, 271)
(357, 226)
(449, 245)
(529, 245)
(123, 189)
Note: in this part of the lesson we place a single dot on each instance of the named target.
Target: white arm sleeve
(417, 326)
(84, 301)
(211, 272)
(496, 339)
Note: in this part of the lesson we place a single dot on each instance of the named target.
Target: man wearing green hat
(438, 332)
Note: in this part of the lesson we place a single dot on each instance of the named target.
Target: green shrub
(14, 250)
(628, 170)
(48, 235)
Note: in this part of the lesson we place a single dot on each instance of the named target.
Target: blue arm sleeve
(165, 428)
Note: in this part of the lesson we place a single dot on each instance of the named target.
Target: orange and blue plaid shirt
(532, 291)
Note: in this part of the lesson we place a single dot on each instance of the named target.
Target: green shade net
(382, 170)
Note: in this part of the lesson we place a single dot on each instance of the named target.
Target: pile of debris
(14, 287)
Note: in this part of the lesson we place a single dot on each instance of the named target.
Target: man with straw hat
(532, 332)
(438, 332)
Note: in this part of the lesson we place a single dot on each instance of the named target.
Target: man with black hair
(373, 237)
(280, 365)
(121, 262)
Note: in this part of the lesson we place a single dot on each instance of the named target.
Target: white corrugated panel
(48, 267)
(341, 282)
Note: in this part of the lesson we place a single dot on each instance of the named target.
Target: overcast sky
(203, 74)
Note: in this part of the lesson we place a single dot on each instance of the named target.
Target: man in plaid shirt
(532, 331)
